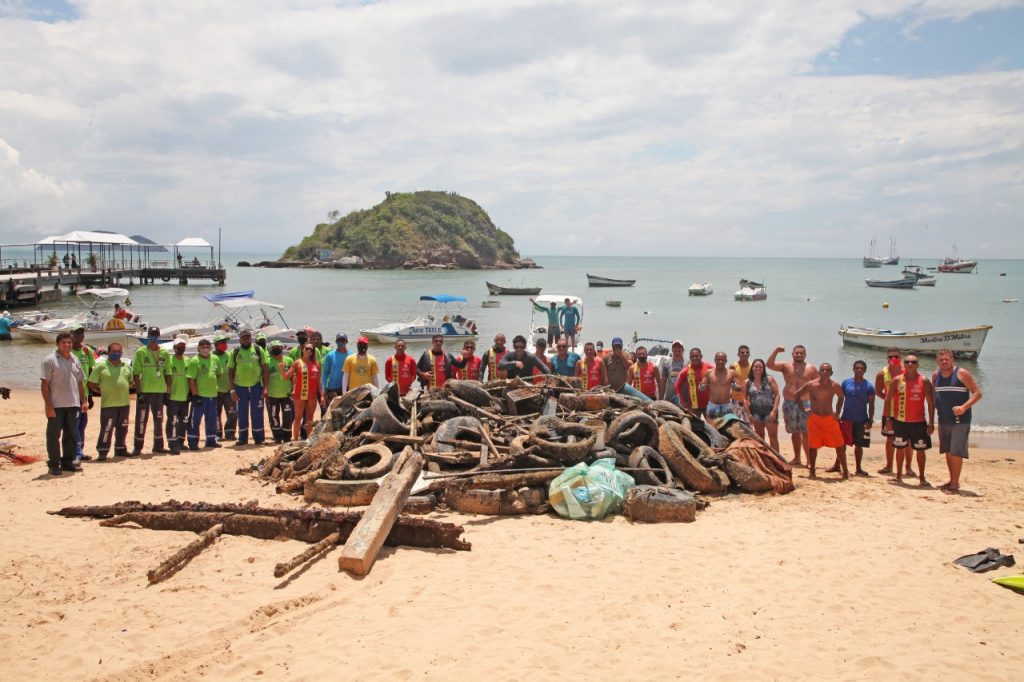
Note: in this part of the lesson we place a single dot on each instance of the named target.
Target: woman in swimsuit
(761, 398)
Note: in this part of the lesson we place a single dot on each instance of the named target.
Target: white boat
(700, 289)
(751, 291)
(965, 342)
(441, 314)
(539, 321)
(871, 260)
(894, 258)
(100, 327)
(232, 312)
(916, 272)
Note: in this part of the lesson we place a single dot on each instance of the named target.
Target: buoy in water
(885, 305)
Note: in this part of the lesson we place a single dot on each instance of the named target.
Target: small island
(408, 230)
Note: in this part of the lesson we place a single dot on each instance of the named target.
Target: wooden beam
(363, 545)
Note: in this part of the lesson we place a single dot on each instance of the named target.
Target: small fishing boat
(751, 291)
(956, 264)
(891, 283)
(613, 304)
(490, 304)
(441, 315)
(917, 273)
(965, 342)
(596, 281)
(1011, 300)
(700, 289)
(100, 327)
(498, 290)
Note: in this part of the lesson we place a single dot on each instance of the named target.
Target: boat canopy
(444, 298)
(228, 296)
(111, 292)
(240, 303)
(557, 298)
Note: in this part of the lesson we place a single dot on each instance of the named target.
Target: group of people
(228, 392)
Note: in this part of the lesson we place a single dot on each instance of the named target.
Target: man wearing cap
(177, 401)
(320, 348)
(360, 368)
(112, 381)
(87, 358)
(617, 366)
(248, 375)
(670, 371)
(301, 338)
(332, 368)
(152, 370)
(5, 326)
(227, 411)
(436, 366)
(279, 394)
(62, 383)
(401, 368)
(261, 340)
(204, 373)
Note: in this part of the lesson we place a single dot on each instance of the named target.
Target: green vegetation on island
(408, 230)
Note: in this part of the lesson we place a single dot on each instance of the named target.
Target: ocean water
(808, 301)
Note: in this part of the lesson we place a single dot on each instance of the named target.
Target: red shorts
(823, 432)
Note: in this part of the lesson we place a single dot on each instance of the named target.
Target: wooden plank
(363, 545)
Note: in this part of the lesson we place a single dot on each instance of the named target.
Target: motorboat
(100, 327)
(700, 289)
(751, 291)
(597, 281)
(490, 304)
(920, 277)
(956, 264)
(965, 342)
(904, 283)
(539, 320)
(498, 290)
(439, 314)
(232, 312)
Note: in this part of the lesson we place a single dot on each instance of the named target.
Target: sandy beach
(837, 580)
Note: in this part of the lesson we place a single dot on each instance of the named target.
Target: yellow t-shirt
(359, 370)
(741, 379)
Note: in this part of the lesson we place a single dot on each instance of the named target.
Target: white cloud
(679, 125)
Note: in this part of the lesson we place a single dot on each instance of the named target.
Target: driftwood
(367, 538)
(316, 550)
(179, 559)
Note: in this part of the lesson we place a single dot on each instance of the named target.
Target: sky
(744, 128)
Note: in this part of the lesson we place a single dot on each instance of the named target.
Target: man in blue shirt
(564, 363)
(330, 374)
(858, 414)
(5, 326)
(570, 317)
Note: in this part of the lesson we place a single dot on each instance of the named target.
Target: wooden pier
(42, 285)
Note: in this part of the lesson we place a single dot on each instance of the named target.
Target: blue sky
(648, 128)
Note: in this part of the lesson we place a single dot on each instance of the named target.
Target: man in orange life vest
(692, 395)
(401, 368)
(591, 369)
(468, 365)
(644, 376)
(435, 365)
(905, 398)
(492, 357)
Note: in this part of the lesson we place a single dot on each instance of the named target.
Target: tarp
(85, 237)
(194, 241)
(444, 298)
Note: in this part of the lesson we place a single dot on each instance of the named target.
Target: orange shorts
(824, 432)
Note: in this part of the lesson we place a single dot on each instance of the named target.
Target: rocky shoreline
(357, 263)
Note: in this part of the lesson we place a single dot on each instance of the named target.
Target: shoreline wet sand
(846, 580)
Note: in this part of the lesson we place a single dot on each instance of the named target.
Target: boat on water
(498, 290)
(893, 258)
(613, 304)
(490, 304)
(904, 283)
(597, 281)
(872, 260)
(965, 342)
(751, 291)
(539, 321)
(233, 311)
(700, 289)
(918, 274)
(100, 327)
(957, 264)
(440, 314)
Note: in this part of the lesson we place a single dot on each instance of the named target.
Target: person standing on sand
(227, 423)
(87, 358)
(280, 408)
(204, 372)
(761, 399)
(720, 382)
(591, 369)
(62, 383)
(491, 358)
(690, 387)
(178, 399)
(892, 370)
(552, 313)
(956, 392)
(906, 398)
(858, 414)
(248, 375)
(360, 368)
(331, 366)
(822, 421)
(742, 369)
(645, 376)
(436, 366)
(112, 381)
(670, 372)
(401, 368)
(301, 339)
(794, 412)
(152, 369)
(304, 374)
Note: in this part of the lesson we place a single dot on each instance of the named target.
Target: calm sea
(808, 300)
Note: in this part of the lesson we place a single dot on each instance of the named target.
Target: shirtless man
(794, 374)
(822, 421)
(892, 370)
(721, 381)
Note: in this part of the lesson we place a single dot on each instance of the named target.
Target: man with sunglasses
(906, 399)
(520, 363)
(563, 363)
(892, 370)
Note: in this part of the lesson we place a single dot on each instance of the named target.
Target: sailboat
(893, 258)
(871, 260)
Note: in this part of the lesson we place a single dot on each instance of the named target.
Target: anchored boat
(905, 283)
(441, 314)
(596, 281)
(920, 277)
(751, 291)
(498, 290)
(99, 326)
(965, 342)
(700, 289)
